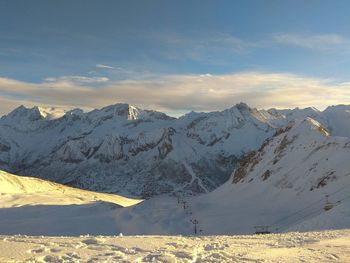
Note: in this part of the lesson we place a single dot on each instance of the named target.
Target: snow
(298, 157)
(51, 113)
(294, 169)
(19, 191)
(305, 164)
(327, 246)
(123, 149)
(337, 119)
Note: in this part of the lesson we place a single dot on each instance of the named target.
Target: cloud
(77, 79)
(320, 42)
(210, 48)
(104, 66)
(181, 93)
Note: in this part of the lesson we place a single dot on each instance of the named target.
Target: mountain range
(297, 179)
(127, 150)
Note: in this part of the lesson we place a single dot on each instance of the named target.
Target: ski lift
(262, 230)
(328, 206)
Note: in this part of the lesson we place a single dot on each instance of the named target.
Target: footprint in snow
(73, 255)
(90, 241)
(162, 258)
(38, 250)
(51, 259)
(55, 250)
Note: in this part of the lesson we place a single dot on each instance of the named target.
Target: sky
(174, 56)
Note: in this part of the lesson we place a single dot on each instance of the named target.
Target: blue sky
(206, 55)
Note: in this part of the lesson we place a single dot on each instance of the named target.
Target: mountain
(337, 119)
(124, 149)
(282, 185)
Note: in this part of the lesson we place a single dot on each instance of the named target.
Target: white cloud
(77, 79)
(104, 66)
(181, 92)
(321, 42)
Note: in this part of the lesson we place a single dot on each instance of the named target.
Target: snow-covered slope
(17, 191)
(31, 205)
(335, 118)
(284, 116)
(282, 185)
(123, 149)
(325, 246)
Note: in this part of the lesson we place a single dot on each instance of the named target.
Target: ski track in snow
(326, 246)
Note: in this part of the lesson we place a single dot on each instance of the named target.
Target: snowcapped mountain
(302, 157)
(124, 149)
(282, 185)
(335, 118)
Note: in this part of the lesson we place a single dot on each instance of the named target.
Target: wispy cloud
(182, 92)
(104, 66)
(203, 48)
(76, 79)
(320, 42)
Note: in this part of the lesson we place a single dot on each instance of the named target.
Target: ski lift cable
(318, 210)
(296, 212)
(276, 223)
(310, 205)
(313, 212)
(230, 212)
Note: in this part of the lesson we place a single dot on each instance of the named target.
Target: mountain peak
(35, 113)
(242, 106)
(51, 113)
(308, 127)
(340, 107)
(121, 109)
(131, 112)
(22, 112)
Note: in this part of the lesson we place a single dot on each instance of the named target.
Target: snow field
(327, 246)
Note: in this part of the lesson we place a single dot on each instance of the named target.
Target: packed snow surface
(328, 246)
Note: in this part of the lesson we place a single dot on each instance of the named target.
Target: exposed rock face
(245, 162)
(121, 148)
(303, 157)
